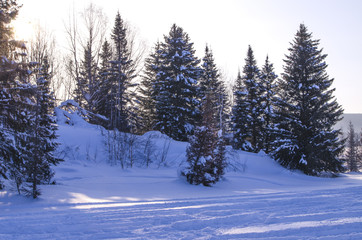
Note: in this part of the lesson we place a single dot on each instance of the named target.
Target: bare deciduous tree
(43, 45)
(85, 33)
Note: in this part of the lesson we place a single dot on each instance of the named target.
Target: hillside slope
(257, 199)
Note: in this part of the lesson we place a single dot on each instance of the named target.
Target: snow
(257, 199)
(303, 161)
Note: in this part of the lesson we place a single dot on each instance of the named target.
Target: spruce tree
(12, 74)
(248, 108)
(307, 111)
(239, 117)
(177, 103)
(210, 82)
(268, 78)
(19, 122)
(88, 83)
(148, 90)
(353, 154)
(103, 98)
(206, 150)
(41, 140)
(121, 75)
(19, 109)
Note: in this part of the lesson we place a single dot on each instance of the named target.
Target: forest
(111, 82)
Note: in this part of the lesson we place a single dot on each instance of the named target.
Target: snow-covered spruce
(9, 70)
(148, 90)
(41, 140)
(121, 73)
(206, 152)
(307, 111)
(27, 126)
(177, 104)
(268, 78)
(205, 156)
(248, 107)
(211, 83)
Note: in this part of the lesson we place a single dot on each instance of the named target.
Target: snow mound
(85, 143)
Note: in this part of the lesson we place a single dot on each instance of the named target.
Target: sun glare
(23, 29)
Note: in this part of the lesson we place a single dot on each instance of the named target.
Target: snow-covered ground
(258, 199)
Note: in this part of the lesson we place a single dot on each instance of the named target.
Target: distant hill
(355, 118)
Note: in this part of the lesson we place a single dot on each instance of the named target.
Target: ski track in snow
(328, 214)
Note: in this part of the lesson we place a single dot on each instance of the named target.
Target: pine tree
(248, 108)
(206, 150)
(353, 155)
(210, 82)
(307, 111)
(268, 78)
(148, 90)
(177, 104)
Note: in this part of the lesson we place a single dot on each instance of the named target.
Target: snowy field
(258, 199)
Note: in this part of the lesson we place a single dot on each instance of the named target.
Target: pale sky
(229, 26)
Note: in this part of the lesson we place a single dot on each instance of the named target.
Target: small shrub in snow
(205, 157)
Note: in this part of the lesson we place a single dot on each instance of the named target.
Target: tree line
(291, 118)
